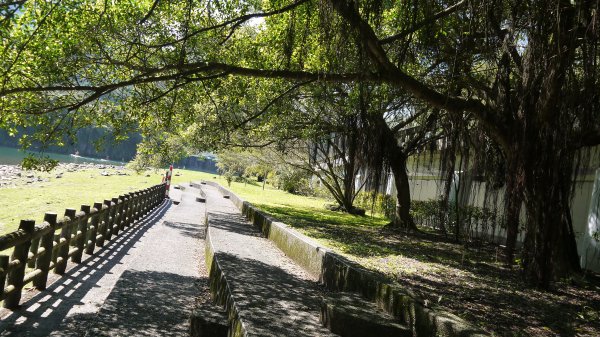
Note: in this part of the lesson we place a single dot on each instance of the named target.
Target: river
(12, 156)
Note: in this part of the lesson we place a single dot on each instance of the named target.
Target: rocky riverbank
(14, 175)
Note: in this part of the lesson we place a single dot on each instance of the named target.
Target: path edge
(219, 286)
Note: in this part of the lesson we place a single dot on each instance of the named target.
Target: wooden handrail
(40, 248)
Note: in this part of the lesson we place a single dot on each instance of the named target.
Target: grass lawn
(31, 201)
(468, 282)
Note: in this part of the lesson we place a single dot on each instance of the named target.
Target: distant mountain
(120, 151)
(87, 139)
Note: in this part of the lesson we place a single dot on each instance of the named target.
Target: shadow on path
(187, 229)
(272, 301)
(274, 296)
(233, 223)
(43, 313)
(154, 304)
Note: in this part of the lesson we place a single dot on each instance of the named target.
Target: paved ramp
(144, 283)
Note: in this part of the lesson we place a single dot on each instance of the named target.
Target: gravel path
(145, 283)
(274, 296)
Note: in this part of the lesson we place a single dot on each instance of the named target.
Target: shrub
(292, 181)
(376, 202)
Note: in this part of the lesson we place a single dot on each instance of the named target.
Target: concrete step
(208, 320)
(350, 315)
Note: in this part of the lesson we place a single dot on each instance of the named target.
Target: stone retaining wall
(219, 287)
(340, 274)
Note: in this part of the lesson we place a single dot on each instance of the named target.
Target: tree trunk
(403, 218)
(550, 250)
(513, 202)
(448, 163)
(396, 158)
(350, 170)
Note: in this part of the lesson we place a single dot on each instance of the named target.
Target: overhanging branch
(423, 23)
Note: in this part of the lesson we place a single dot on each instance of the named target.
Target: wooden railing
(40, 249)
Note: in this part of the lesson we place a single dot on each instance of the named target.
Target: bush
(376, 202)
(292, 181)
(473, 221)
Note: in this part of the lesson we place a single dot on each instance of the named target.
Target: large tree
(525, 70)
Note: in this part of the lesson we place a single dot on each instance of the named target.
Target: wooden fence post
(131, 208)
(124, 205)
(4, 259)
(117, 218)
(43, 261)
(15, 277)
(151, 197)
(90, 243)
(65, 236)
(110, 219)
(102, 223)
(146, 201)
(33, 249)
(81, 241)
(138, 205)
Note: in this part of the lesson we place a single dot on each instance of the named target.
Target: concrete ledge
(340, 274)
(208, 320)
(350, 315)
(219, 287)
(199, 188)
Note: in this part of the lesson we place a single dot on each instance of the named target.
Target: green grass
(302, 210)
(31, 201)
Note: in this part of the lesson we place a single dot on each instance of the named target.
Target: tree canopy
(524, 71)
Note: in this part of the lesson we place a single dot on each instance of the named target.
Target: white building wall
(585, 214)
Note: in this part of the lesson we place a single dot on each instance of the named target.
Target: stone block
(208, 320)
(350, 315)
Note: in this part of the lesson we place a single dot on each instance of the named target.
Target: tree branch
(266, 107)
(150, 12)
(392, 74)
(178, 71)
(12, 3)
(407, 121)
(589, 139)
(423, 23)
(235, 22)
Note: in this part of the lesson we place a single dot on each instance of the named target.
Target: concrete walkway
(273, 295)
(145, 283)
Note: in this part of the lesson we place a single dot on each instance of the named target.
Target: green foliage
(159, 151)
(39, 163)
(228, 177)
(292, 180)
(377, 203)
(471, 219)
(233, 163)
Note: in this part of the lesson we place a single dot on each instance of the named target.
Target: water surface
(12, 156)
